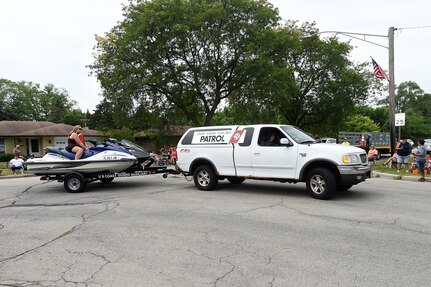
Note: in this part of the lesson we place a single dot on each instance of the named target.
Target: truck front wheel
(205, 178)
(321, 183)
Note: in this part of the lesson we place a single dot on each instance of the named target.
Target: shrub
(6, 157)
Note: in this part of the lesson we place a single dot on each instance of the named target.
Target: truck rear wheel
(321, 183)
(205, 178)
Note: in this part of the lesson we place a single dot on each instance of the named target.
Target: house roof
(29, 128)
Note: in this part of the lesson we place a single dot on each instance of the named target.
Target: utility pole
(391, 89)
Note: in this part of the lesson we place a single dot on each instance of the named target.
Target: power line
(417, 27)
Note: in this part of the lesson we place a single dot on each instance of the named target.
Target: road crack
(84, 218)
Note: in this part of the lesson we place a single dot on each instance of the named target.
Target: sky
(51, 41)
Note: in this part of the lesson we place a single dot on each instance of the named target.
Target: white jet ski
(58, 161)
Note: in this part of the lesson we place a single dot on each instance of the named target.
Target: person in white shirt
(16, 163)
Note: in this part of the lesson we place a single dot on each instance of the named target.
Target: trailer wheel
(235, 179)
(106, 179)
(205, 178)
(321, 183)
(74, 182)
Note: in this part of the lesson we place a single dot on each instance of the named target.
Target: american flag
(378, 71)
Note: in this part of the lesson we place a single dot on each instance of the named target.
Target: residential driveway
(150, 231)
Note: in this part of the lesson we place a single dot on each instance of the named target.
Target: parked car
(428, 145)
(411, 142)
(328, 140)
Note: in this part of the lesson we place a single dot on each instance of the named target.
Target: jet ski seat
(69, 155)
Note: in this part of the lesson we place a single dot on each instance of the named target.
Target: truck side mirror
(285, 142)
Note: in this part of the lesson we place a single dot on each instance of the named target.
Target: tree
(180, 54)
(379, 115)
(55, 103)
(20, 100)
(310, 82)
(323, 85)
(75, 117)
(359, 123)
(103, 117)
(416, 126)
(408, 93)
(27, 101)
(120, 134)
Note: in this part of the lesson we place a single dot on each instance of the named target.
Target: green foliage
(360, 123)
(408, 94)
(309, 82)
(417, 126)
(75, 117)
(379, 115)
(28, 101)
(181, 55)
(416, 104)
(103, 117)
(121, 134)
(6, 157)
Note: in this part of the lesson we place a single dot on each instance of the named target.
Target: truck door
(242, 153)
(269, 158)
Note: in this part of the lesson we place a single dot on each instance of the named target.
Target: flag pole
(392, 89)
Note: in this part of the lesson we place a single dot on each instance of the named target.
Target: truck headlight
(350, 158)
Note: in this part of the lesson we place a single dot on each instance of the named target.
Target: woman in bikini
(75, 144)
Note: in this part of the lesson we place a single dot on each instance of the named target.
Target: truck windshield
(298, 135)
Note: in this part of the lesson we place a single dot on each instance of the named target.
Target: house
(34, 136)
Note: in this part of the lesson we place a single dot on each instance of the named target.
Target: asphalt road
(150, 231)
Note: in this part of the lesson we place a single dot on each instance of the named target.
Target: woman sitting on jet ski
(74, 142)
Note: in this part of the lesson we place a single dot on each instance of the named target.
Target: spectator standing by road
(17, 150)
(174, 155)
(345, 142)
(367, 143)
(164, 153)
(421, 155)
(403, 154)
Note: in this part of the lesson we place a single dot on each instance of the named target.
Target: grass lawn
(379, 167)
(4, 170)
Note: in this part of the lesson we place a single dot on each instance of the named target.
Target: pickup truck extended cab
(269, 152)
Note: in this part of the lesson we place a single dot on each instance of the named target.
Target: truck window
(188, 138)
(270, 137)
(248, 136)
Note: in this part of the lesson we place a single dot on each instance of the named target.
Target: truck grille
(363, 158)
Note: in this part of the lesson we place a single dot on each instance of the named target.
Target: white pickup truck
(269, 152)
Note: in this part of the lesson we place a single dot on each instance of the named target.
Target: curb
(376, 174)
(15, 176)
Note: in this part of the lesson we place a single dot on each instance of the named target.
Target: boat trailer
(75, 182)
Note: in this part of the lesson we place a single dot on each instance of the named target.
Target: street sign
(400, 119)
